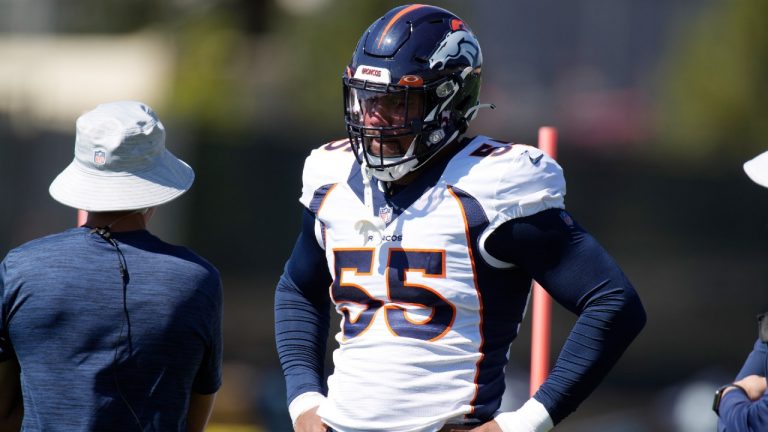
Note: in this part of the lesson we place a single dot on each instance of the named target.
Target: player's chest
(376, 254)
(434, 220)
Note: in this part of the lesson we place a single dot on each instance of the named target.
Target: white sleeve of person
(530, 183)
(325, 165)
(303, 403)
(531, 417)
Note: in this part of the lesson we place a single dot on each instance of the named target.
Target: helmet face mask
(407, 93)
(386, 122)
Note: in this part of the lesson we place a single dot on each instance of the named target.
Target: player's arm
(11, 406)
(739, 411)
(580, 275)
(200, 408)
(11, 402)
(302, 319)
(740, 414)
(208, 379)
(756, 361)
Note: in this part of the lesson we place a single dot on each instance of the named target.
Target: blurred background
(658, 103)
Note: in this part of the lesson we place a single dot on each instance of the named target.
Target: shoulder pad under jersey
(509, 180)
(327, 165)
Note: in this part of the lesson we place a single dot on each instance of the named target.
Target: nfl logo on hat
(99, 157)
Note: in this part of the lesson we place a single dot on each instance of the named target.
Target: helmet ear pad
(462, 106)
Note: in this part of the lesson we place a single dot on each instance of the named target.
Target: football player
(426, 242)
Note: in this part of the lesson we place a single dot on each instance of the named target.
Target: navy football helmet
(412, 87)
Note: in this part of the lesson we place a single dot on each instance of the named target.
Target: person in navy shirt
(105, 327)
(742, 406)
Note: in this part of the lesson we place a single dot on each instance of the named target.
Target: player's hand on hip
(491, 426)
(755, 386)
(309, 421)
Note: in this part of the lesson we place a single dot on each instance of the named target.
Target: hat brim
(97, 191)
(757, 169)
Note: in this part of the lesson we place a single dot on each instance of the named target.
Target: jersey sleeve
(327, 165)
(739, 414)
(756, 361)
(6, 351)
(530, 182)
(208, 378)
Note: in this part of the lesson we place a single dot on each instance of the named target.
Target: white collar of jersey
(394, 172)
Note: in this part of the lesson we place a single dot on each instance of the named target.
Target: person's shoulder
(157, 255)
(509, 180)
(195, 263)
(327, 159)
(205, 266)
(326, 165)
(208, 278)
(487, 161)
(47, 245)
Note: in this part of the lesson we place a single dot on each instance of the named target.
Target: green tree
(714, 83)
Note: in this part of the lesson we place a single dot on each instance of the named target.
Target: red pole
(542, 302)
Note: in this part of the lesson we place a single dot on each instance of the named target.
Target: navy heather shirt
(92, 359)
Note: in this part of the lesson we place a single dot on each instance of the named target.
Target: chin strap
(397, 171)
(472, 112)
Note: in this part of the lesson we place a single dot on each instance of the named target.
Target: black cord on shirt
(106, 235)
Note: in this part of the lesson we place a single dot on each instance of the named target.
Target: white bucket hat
(121, 162)
(757, 169)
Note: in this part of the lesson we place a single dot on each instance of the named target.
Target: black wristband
(719, 395)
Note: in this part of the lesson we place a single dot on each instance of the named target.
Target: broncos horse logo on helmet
(455, 45)
(411, 88)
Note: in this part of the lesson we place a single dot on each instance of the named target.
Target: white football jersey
(427, 315)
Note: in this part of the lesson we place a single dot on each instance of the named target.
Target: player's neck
(118, 221)
(407, 179)
(449, 151)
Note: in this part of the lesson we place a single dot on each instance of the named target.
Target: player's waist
(448, 427)
(456, 427)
